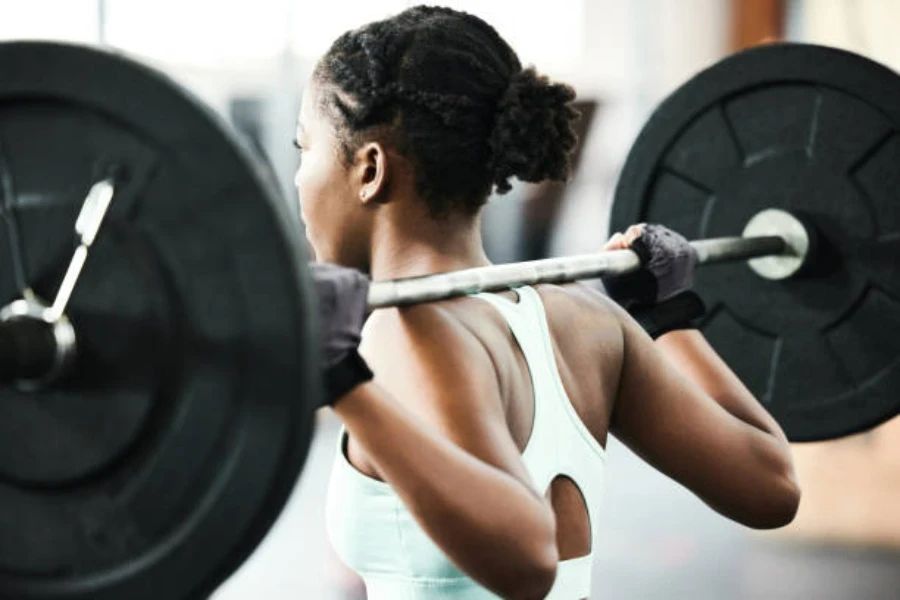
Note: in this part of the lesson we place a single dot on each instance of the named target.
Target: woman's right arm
(489, 522)
(722, 446)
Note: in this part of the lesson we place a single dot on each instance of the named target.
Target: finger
(634, 232)
(616, 242)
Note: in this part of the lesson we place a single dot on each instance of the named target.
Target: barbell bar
(45, 342)
(492, 278)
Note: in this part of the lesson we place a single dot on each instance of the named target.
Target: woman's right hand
(342, 301)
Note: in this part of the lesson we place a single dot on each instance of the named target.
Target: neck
(414, 245)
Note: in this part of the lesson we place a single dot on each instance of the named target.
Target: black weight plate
(156, 468)
(814, 131)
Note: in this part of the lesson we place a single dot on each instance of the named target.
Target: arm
(433, 426)
(692, 355)
(713, 438)
(435, 429)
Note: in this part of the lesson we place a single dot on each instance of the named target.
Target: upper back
(541, 373)
(587, 345)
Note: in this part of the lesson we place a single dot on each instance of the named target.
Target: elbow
(544, 573)
(787, 505)
(535, 581)
(777, 498)
(531, 566)
(540, 559)
(782, 502)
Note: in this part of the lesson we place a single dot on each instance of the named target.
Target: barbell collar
(35, 348)
(798, 239)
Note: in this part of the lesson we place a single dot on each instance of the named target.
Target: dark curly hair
(451, 96)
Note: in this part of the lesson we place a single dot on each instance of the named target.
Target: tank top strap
(527, 319)
(521, 317)
(528, 323)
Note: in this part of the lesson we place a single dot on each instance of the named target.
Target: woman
(471, 465)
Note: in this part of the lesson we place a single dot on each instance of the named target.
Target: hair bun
(533, 136)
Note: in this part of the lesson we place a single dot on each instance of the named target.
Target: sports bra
(376, 536)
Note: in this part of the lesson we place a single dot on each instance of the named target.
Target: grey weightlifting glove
(659, 295)
(668, 261)
(342, 295)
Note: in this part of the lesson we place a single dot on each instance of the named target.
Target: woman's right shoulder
(398, 324)
(425, 335)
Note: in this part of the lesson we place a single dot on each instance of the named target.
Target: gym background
(249, 61)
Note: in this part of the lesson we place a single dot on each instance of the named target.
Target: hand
(668, 262)
(342, 296)
(658, 296)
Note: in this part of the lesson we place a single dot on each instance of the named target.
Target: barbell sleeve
(429, 288)
(35, 349)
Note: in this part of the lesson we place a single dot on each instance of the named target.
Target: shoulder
(425, 331)
(580, 307)
(431, 360)
(440, 370)
(578, 295)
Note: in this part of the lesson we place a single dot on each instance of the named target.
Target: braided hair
(448, 93)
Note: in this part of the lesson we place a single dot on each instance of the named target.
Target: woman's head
(439, 94)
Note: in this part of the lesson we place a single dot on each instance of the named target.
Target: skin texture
(451, 405)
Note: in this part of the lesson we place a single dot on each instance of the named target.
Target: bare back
(588, 347)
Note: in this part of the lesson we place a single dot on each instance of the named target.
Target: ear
(371, 172)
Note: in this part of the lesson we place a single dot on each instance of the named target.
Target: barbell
(161, 378)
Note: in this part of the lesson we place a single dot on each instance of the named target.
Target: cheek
(312, 183)
(319, 190)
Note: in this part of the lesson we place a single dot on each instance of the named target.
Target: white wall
(636, 53)
(867, 27)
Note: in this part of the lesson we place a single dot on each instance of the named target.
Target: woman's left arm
(692, 354)
(668, 266)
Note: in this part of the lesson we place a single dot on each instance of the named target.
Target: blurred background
(249, 60)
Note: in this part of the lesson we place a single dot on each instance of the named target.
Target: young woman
(472, 465)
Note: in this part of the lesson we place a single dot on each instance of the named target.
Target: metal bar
(86, 226)
(416, 290)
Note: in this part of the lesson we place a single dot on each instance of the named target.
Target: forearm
(693, 356)
(491, 525)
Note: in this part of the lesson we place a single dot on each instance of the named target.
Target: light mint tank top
(376, 536)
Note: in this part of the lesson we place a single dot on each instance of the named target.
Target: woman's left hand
(668, 261)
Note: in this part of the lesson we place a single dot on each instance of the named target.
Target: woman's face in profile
(323, 184)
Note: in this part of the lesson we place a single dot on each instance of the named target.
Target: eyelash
(297, 145)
